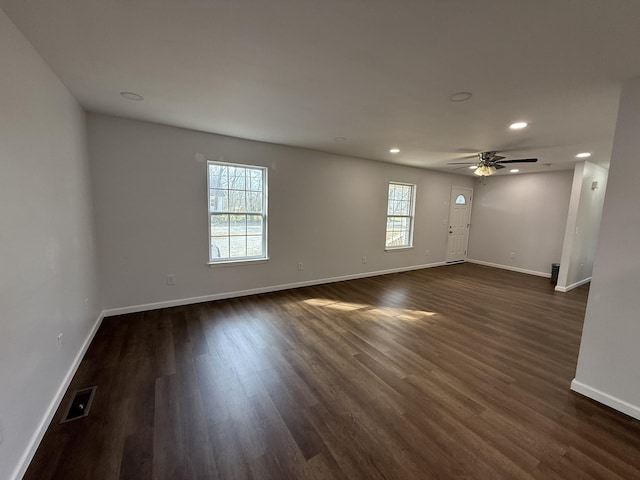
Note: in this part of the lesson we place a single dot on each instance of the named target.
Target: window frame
(411, 216)
(264, 214)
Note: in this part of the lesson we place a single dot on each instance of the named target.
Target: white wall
(583, 224)
(609, 359)
(48, 281)
(326, 211)
(525, 214)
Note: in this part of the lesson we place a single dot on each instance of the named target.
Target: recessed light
(514, 170)
(583, 155)
(473, 167)
(460, 96)
(546, 164)
(339, 139)
(518, 125)
(394, 150)
(132, 96)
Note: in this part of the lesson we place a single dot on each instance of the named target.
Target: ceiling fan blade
(459, 168)
(498, 166)
(497, 158)
(522, 160)
(461, 163)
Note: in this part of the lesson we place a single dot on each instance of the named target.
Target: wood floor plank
(457, 372)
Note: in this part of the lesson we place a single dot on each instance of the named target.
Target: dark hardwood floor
(452, 372)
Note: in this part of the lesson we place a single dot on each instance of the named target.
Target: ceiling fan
(490, 162)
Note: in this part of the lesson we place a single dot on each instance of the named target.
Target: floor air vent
(79, 405)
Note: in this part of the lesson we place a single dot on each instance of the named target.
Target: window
(237, 212)
(400, 210)
(460, 200)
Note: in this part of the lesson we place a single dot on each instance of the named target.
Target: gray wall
(525, 214)
(326, 211)
(609, 355)
(48, 281)
(583, 224)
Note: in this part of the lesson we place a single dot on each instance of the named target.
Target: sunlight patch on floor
(402, 313)
(344, 306)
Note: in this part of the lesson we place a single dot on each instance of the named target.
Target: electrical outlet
(513, 255)
(426, 254)
(171, 279)
(300, 266)
(60, 340)
(364, 259)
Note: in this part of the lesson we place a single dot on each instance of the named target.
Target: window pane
(219, 225)
(399, 207)
(237, 201)
(254, 245)
(220, 247)
(237, 178)
(395, 223)
(218, 200)
(238, 246)
(254, 225)
(238, 225)
(216, 251)
(460, 200)
(254, 201)
(218, 176)
(391, 207)
(255, 180)
(396, 192)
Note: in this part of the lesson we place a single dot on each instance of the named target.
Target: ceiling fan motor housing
(487, 158)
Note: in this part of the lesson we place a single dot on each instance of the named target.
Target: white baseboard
(36, 438)
(243, 293)
(606, 399)
(509, 267)
(573, 285)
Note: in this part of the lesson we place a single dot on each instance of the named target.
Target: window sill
(238, 263)
(395, 249)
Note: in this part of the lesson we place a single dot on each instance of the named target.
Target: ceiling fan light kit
(485, 170)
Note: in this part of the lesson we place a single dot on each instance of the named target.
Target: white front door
(459, 213)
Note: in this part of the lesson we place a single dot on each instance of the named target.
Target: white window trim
(265, 196)
(411, 217)
(395, 249)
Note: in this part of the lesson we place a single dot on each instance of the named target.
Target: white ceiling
(379, 73)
